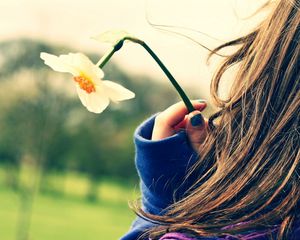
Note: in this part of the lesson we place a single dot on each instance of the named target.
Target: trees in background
(42, 122)
(44, 128)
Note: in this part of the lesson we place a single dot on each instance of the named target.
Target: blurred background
(66, 173)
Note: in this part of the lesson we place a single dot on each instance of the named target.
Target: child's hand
(176, 117)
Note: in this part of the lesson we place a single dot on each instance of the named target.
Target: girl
(235, 175)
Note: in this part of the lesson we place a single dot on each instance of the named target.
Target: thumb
(196, 129)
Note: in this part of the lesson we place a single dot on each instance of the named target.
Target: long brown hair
(255, 145)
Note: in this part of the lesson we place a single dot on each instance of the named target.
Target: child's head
(254, 139)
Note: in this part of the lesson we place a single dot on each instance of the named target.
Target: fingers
(176, 113)
(169, 121)
(196, 128)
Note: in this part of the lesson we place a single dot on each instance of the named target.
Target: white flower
(94, 93)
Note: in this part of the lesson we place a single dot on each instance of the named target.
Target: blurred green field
(70, 216)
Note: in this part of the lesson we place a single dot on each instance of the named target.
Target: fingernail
(197, 120)
(202, 101)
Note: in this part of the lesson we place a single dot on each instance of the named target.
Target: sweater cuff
(162, 166)
(174, 149)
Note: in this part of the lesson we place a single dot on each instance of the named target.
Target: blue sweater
(162, 166)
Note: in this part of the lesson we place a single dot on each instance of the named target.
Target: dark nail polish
(197, 120)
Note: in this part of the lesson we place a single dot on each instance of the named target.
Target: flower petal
(116, 92)
(84, 65)
(58, 64)
(96, 102)
(74, 63)
(82, 95)
(113, 36)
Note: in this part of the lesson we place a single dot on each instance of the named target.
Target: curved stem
(178, 88)
(180, 91)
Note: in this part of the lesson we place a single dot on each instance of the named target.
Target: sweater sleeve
(162, 166)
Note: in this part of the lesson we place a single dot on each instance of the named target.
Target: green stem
(180, 91)
(109, 54)
(105, 58)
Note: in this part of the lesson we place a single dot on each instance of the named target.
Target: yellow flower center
(85, 84)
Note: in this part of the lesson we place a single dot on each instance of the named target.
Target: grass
(70, 217)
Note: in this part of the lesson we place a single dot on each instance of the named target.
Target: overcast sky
(74, 22)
